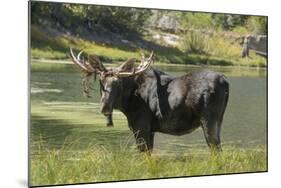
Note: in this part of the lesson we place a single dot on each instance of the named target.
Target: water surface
(61, 114)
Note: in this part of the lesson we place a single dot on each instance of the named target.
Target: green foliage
(241, 30)
(212, 45)
(225, 22)
(194, 42)
(119, 19)
(257, 25)
(75, 17)
(197, 20)
(228, 21)
(58, 26)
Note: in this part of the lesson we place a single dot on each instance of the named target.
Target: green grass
(74, 146)
(97, 164)
(220, 52)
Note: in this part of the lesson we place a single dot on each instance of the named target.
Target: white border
(13, 161)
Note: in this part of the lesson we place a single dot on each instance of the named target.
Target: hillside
(122, 32)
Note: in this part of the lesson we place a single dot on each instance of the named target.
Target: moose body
(157, 102)
(154, 101)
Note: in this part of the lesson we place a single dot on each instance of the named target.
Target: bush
(194, 42)
(223, 47)
(257, 25)
(214, 45)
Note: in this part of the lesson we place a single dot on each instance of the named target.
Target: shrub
(194, 42)
(210, 44)
(257, 25)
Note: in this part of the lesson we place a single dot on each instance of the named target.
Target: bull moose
(154, 101)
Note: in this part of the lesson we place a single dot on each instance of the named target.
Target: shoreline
(50, 61)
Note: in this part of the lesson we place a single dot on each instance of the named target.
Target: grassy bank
(96, 164)
(57, 48)
(74, 146)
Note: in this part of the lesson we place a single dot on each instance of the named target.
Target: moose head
(115, 83)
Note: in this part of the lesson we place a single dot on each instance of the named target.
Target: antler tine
(122, 70)
(78, 62)
(85, 63)
(145, 65)
(151, 55)
(144, 68)
(129, 64)
(79, 54)
(125, 74)
(141, 68)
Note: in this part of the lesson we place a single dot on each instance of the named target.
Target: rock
(167, 23)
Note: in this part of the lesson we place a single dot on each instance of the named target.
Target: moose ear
(127, 66)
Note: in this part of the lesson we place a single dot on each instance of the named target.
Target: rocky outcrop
(164, 21)
(167, 23)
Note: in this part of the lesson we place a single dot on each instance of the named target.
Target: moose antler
(78, 62)
(145, 64)
(90, 66)
(126, 66)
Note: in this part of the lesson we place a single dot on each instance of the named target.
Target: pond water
(59, 111)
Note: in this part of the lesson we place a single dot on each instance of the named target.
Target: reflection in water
(60, 112)
(41, 90)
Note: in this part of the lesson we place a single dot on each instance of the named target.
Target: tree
(73, 16)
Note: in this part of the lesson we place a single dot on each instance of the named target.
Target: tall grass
(97, 164)
(194, 42)
(212, 44)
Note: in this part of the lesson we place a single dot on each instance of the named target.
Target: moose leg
(109, 122)
(144, 140)
(151, 142)
(211, 129)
